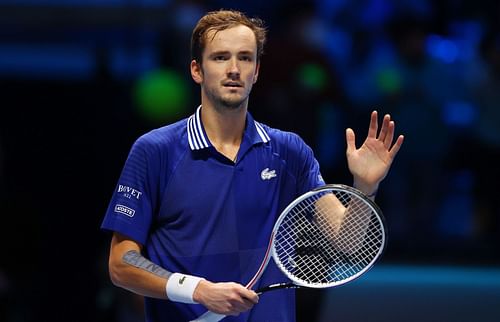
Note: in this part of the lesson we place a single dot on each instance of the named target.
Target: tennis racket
(326, 237)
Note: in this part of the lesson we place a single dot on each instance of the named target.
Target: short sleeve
(130, 210)
(308, 170)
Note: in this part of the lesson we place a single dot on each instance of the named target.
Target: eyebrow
(225, 52)
(247, 52)
(219, 52)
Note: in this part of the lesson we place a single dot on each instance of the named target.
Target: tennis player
(196, 201)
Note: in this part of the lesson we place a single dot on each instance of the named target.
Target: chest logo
(267, 174)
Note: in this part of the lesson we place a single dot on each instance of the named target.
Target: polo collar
(198, 139)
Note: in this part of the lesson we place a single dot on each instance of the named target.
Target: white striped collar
(198, 140)
(262, 132)
(196, 135)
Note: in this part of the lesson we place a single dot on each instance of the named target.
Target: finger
(247, 305)
(372, 130)
(244, 300)
(233, 313)
(390, 135)
(241, 306)
(250, 295)
(385, 128)
(395, 148)
(351, 140)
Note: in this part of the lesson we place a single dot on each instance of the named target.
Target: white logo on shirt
(129, 192)
(267, 174)
(125, 210)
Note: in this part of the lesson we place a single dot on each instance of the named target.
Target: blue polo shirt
(199, 213)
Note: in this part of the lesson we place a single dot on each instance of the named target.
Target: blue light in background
(88, 3)
(186, 16)
(339, 47)
(128, 63)
(327, 9)
(456, 213)
(376, 12)
(433, 275)
(443, 49)
(330, 144)
(460, 113)
(467, 35)
(50, 61)
(416, 293)
(73, 62)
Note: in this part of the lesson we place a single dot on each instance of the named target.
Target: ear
(196, 72)
(256, 75)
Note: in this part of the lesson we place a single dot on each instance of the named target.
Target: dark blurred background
(80, 80)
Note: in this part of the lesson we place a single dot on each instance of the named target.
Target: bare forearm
(345, 222)
(132, 271)
(355, 225)
(136, 273)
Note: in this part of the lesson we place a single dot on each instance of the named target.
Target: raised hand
(371, 162)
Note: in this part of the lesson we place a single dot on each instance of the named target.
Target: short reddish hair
(221, 20)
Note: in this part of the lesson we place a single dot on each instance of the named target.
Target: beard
(230, 103)
(227, 102)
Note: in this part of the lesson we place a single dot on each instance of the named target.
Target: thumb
(351, 140)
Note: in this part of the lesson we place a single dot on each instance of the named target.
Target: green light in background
(312, 76)
(161, 95)
(388, 80)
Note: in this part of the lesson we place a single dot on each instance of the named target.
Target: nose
(233, 69)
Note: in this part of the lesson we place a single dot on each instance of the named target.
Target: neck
(224, 126)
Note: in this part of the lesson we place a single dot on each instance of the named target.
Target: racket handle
(277, 286)
(209, 316)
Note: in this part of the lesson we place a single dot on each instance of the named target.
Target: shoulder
(291, 149)
(160, 145)
(284, 140)
(162, 137)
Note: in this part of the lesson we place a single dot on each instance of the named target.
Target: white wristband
(180, 287)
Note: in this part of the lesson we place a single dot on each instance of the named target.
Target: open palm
(371, 162)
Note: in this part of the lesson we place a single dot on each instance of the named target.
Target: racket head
(314, 251)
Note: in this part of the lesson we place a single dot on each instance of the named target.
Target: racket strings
(319, 244)
(306, 257)
(298, 249)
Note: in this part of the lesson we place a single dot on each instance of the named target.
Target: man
(196, 201)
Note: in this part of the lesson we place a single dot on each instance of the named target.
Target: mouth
(232, 84)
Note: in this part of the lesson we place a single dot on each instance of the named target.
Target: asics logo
(267, 174)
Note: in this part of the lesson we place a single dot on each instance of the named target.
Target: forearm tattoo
(134, 258)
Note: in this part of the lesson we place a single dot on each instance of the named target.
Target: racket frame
(297, 282)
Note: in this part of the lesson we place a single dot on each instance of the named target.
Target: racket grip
(209, 316)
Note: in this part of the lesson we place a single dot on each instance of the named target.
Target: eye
(246, 58)
(219, 58)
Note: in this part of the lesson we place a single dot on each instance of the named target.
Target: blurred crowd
(433, 65)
